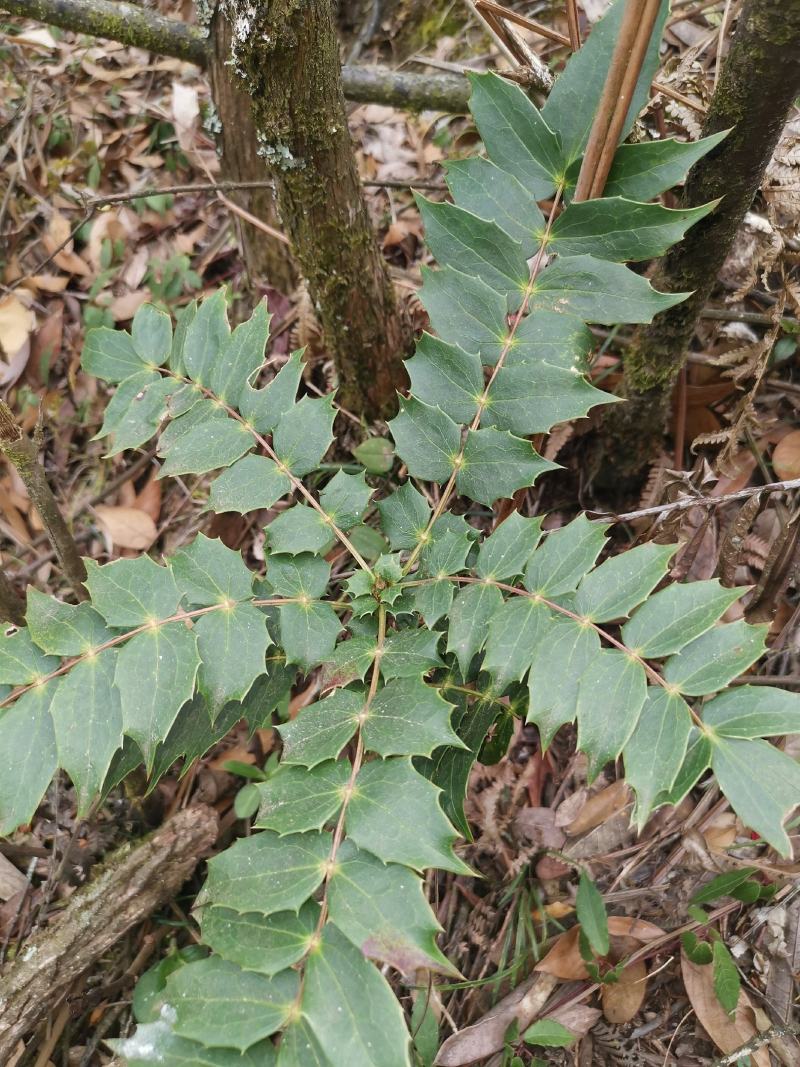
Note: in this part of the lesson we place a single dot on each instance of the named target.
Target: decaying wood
(135, 881)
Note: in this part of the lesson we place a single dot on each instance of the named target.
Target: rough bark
(134, 882)
(756, 90)
(267, 258)
(141, 28)
(287, 55)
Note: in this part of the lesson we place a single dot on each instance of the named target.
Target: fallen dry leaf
(185, 111)
(621, 1000)
(786, 457)
(726, 1031)
(127, 527)
(16, 323)
(608, 802)
(627, 934)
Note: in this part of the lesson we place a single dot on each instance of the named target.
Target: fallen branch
(141, 28)
(754, 1044)
(132, 884)
(701, 501)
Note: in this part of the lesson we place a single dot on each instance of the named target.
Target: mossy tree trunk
(287, 55)
(757, 88)
(267, 258)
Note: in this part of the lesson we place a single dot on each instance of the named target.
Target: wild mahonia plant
(423, 652)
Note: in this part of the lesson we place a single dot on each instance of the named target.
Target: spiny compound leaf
(597, 291)
(250, 483)
(350, 1008)
(528, 398)
(480, 248)
(382, 909)
(232, 643)
(513, 633)
(712, 660)
(655, 750)
(611, 695)
(668, 621)
(447, 377)
(408, 717)
(110, 354)
(469, 616)
(241, 356)
(616, 587)
(753, 711)
(408, 653)
(217, 1003)
(505, 552)
(155, 676)
(21, 661)
(62, 629)
(266, 944)
(87, 716)
(321, 731)
(642, 171)
(762, 784)
(296, 799)
(415, 832)
(264, 408)
(300, 529)
(516, 135)
(151, 335)
(300, 1048)
(345, 499)
(203, 440)
(208, 572)
(496, 464)
(206, 337)
(621, 230)
(267, 873)
(304, 433)
(555, 675)
(26, 730)
(404, 516)
(564, 557)
(132, 592)
(157, 1043)
(427, 440)
(495, 194)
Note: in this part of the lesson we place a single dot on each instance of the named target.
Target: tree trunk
(267, 258)
(286, 53)
(757, 88)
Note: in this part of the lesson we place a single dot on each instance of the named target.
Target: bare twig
(754, 1044)
(700, 501)
(23, 452)
(574, 25)
(607, 104)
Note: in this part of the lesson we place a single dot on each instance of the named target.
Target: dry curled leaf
(621, 1000)
(603, 805)
(786, 457)
(127, 527)
(728, 1032)
(628, 933)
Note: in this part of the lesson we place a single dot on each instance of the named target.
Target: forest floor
(86, 119)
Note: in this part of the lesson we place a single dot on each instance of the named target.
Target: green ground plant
(424, 651)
